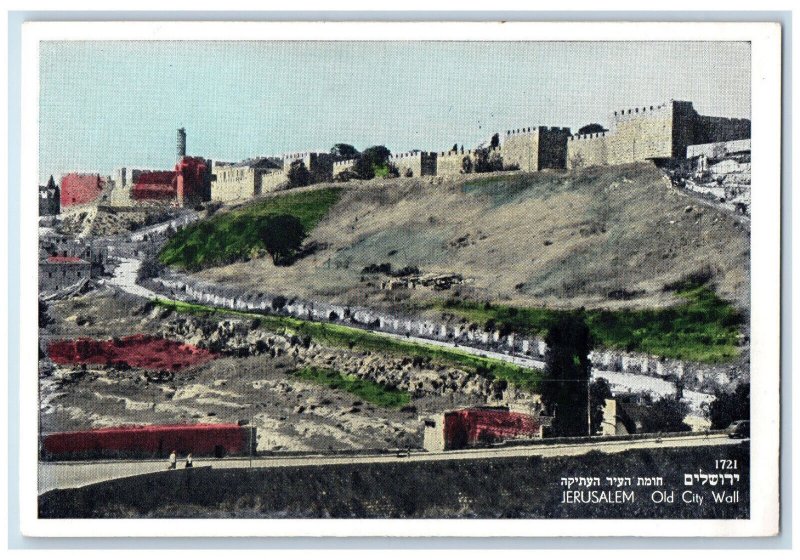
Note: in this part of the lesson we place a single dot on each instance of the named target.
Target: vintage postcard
(495, 279)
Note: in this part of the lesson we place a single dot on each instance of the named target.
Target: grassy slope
(342, 336)
(231, 236)
(533, 242)
(368, 390)
(703, 328)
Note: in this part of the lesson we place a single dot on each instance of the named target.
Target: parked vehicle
(739, 429)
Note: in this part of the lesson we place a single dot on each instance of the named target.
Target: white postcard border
(765, 39)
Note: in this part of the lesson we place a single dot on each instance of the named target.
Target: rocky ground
(251, 381)
(93, 220)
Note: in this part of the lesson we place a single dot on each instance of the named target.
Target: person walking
(173, 460)
(189, 461)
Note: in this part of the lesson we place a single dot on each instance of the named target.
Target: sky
(108, 104)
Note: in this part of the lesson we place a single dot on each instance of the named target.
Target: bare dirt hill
(600, 237)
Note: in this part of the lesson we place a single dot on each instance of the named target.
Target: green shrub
(232, 236)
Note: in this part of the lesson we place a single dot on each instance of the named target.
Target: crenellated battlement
(343, 164)
(411, 154)
(649, 110)
(303, 155)
(537, 130)
(592, 136)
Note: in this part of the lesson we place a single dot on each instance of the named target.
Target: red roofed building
(55, 259)
(188, 184)
(467, 427)
(215, 440)
(80, 188)
(153, 185)
(193, 180)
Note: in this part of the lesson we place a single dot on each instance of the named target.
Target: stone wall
(536, 148)
(416, 163)
(587, 150)
(527, 351)
(720, 129)
(452, 162)
(240, 182)
(232, 182)
(656, 132)
(319, 164)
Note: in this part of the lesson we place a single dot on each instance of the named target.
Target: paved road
(125, 278)
(74, 474)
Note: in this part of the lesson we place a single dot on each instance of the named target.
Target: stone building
(319, 164)
(49, 199)
(192, 180)
(246, 179)
(80, 188)
(414, 163)
(656, 133)
(95, 254)
(536, 148)
(57, 273)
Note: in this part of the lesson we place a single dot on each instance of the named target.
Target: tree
(666, 415)
(466, 164)
(282, 236)
(728, 407)
(344, 151)
(566, 374)
(378, 155)
(599, 391)
(495, 141)
(374, 161)
(454, 148)
(44, 316)
(592, 128)
(298, 174)
(363, 167)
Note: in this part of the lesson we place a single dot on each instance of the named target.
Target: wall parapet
(537, 129)
(633, 111)
(590, 136)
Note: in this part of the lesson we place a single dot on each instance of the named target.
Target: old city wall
(407, 162)
(655, 132)
(233, 183)
(640, 134)
(586, 150)
(553, 147)
(720, 129)
(415, 163)
(319, 165)
(272, 181)
(637, 135)
(452, 163)
(521, 149)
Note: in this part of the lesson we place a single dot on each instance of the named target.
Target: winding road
(126, 273)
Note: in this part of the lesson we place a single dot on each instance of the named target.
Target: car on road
(739, 429)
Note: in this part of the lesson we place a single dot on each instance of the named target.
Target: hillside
(604, 237)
